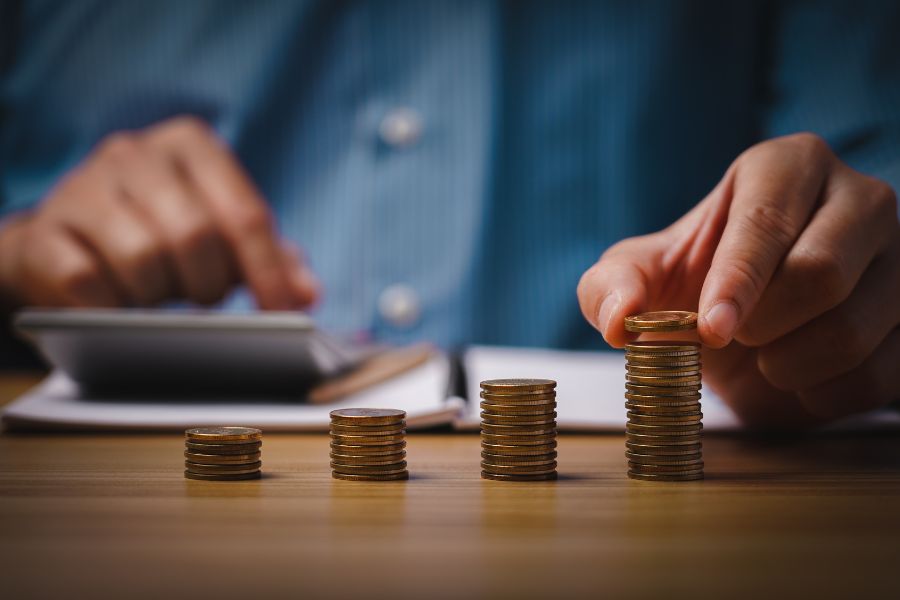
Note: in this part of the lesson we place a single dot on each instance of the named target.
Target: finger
(855, 224)
(618, 286)
(201, 261)
(841, 339)
(306, 286)
(775, 188)
(56, 270)
(92, 207)
(875, 383)
(240, 212)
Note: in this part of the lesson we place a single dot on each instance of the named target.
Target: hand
(794, 262)
(163, 213)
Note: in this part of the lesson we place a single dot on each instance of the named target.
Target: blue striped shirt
(480, 154)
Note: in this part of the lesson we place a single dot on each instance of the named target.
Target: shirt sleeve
(835, 71)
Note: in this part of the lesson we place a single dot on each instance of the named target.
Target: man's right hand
(152, 215)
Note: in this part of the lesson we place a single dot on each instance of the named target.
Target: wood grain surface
(112, 516)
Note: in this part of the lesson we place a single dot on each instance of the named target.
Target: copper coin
(518, 469)
(671, 362)
(367, 416)
(663, 421)
(643, 468)
(692, 429)
(223, 435)
(517, 440)
(507, 450)
(367, 440)
(649, 390)
(518, 430)
(666, 476)
(519, 399)
(662, 440)
(364, 431)
(229, 477)
(692, 380)
(661, 321)
(523, 478)
(507, 386)
(496, 419)
(222, 469)
(380, 450)
(653, 347)
(368, 459)
(352, 477)
(222, 459)
(389, 469)
(662, 400)
(663, 450)
(222, 449)
(513, 409)
(653, 459)
(662, 371)
(649, 409)
(502, 459)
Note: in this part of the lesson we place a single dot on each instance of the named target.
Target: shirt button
(401, 127)
(399, 305)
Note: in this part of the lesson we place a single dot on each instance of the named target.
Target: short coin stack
(662, 396)
(368, 444)
(222, 453)
(518, 429)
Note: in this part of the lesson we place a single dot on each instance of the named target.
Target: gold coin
(363, 470)
(222, 449)
(519, 400)
(222, 469)
(685, 450)
(692, 429)
(517, 440)
(532, 477)
(518, 470)
(507, 450)
(350, 430)
(507, 409)
(367, 416)
(650, 409)
(654, 459)
(368, 459)
(661, 371)
(221, 459)
(506, 386)
(223, 435)
(662, 440)
(352, 477)
(525, 461)
(496, 419)
(653, 347)
(650, 390)
(691, 380)
(518, 430)
(368, 440)
(661, 321)
(671, 362)
(229, 477)
(663, 401)
(370, 450)
(666, 476)
(674, 421)
(643, 468)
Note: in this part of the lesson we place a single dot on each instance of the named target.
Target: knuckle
(188, 127)
(847, 339)
(119, 147)
(193, 236)
(810, 145)
(75, 278)
(252, 218)
(143, 257)
(770, 222)
(884, 200)
(823, 274)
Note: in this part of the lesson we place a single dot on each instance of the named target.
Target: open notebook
(589, 395)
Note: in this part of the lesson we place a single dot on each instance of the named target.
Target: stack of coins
(663, 401)
(222, 453)
(368, 444)
(518, 429)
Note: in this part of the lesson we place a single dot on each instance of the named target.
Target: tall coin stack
(222, 453)
(368, 444)
(518, 429)
(663, 381)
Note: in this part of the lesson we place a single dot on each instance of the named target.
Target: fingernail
(722, 320)
(607, 308)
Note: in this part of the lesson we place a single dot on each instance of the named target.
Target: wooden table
(111, 515)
